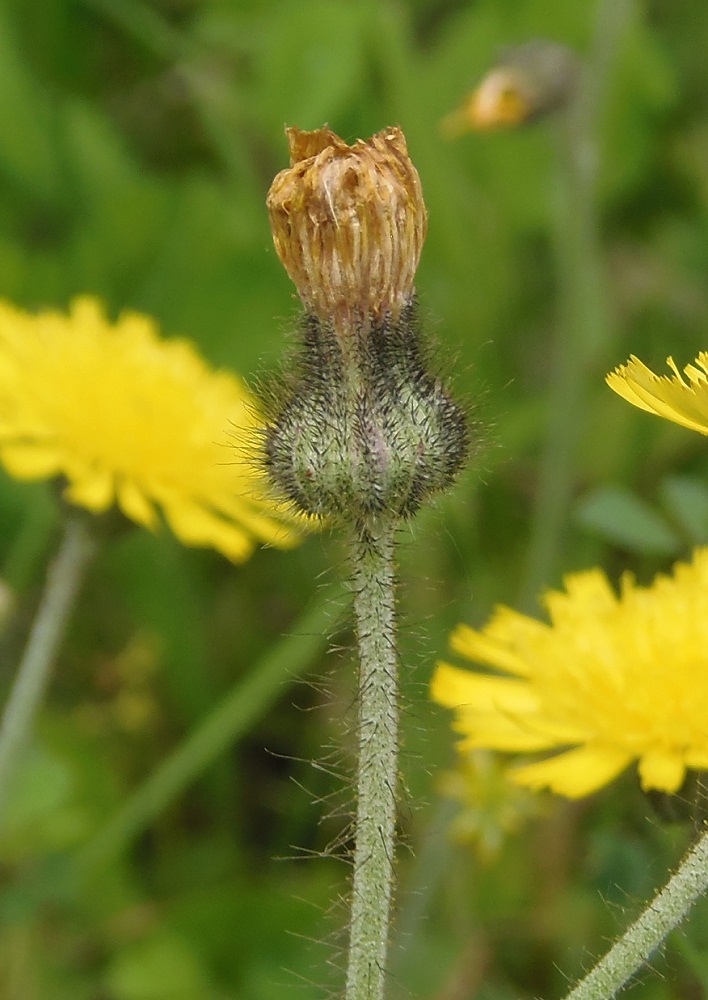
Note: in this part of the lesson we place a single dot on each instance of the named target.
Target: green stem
(583, 322)
(232, 717)
(666, 911)
(373, 881)
(63, 581)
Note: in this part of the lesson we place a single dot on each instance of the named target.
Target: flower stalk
(665, 912)
(373, 878)
(362, 434)
(64, 579)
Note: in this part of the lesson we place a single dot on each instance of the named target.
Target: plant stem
(665, 912)
(225, 724)
(64, 578)
(583, 322)
(372, 885)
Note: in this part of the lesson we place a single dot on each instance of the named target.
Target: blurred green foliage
(138, 139)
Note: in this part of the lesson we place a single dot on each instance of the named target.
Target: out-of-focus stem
(377, 774)
(63, 581)
(583, 322)
(246, 700)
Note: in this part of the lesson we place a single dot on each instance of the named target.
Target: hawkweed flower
(683, 400)
(129, 422)
(126, 419)
(610, 680)
(527, 83)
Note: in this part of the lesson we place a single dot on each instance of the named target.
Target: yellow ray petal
(662, 770)
(619, 382)
(506, 734)
(280, 528)
(697, 759)
(31, 461)
(484, 648)
(135, 505)
(517, 731)
(586, 593)
(671, 398)
(94, 490)
(457, 688)
(194, 525)
(575, 773)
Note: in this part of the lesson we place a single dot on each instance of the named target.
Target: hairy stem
(666, 911)
(63, 581)
(372, 885)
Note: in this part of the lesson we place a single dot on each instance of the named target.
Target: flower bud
(349, 224)
(527, 83)
(379, 439)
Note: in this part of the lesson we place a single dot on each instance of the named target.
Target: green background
(137, 144)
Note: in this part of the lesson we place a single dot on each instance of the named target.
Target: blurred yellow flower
(491, 809)
(684, 402)
(499, 102)
(528, 82)
(609, 681)
(127, 418)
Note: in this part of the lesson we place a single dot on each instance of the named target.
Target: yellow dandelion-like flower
(685, 401)
(609, 681)
(131, 420)
(491, 809)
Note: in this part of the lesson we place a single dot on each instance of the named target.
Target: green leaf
(41, 813)
(124, 212)
(627, 521)
(686, 499)
(161, 967)
(27, 122)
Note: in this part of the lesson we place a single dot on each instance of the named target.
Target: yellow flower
(684, 402)
(131, 420)
(491, 810)
(609, 681)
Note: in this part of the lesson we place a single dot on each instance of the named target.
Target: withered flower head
(349, 224)
(358, 428)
